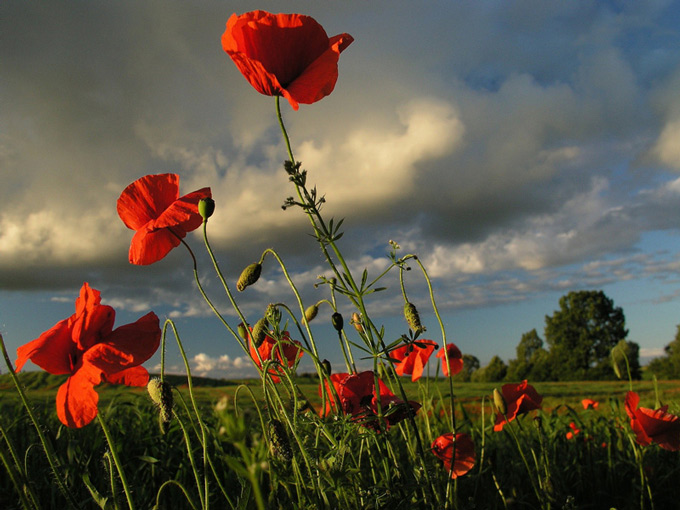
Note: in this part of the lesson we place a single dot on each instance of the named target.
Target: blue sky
(521, 149)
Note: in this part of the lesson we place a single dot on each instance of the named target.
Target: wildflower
(519, 398)
(411, 358)
(285, 352)
(87, 348)
(152, 206)
(357, 398)
(464, 461)
(573, 432)
(653, 426)
(455, 364)
(589, 404)
(287, 55)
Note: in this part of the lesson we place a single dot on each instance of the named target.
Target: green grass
(600, 468)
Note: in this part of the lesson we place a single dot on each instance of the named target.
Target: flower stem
(116, 461)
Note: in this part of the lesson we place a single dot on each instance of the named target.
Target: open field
(601, 467)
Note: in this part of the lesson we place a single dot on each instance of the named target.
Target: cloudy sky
(521, 149)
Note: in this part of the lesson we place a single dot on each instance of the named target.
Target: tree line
(585, 339)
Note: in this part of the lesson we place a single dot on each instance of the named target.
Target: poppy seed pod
(249, 276)
(412, 318)
(311, 312)
(337, 321)
(259, 332)
(499, 402)
(206, 208)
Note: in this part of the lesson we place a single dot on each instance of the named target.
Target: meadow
(598, 467)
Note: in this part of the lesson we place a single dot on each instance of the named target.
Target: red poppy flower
(464, 461)
(653, 426)
(357, 398)
(413, 357)
(519, 398)
(152, 206)
(589, 404)
(455, 360)
(573, 432)
(285, 352)
(287, 55)
(87, 348)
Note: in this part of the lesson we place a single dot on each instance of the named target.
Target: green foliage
(470, 366)
(668, 367)
(493, 372)
(581, 335)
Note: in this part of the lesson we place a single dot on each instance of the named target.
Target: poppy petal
(127, 346)
(149, 246)
(51, 351)
(92, 321)
(146, 198)
(134, 376)
(183, 214)
(76, 398)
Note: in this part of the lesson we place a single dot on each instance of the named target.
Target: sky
(522, 150)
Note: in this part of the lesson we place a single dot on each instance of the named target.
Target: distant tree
(668, 366)
(470, 366)
(582, 333)
(521, 367)
(493, 372)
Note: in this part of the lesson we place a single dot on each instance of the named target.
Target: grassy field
(529, 465)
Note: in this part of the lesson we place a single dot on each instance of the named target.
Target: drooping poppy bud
(259, 332)
(337, 321)
(249, 276)
(326, 365)
(206, 208)
(413, 318)
(278, 439)
(499, 402)
(161, 394)
(311, 312)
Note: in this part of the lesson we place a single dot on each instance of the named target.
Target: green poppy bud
(499, 402)
(278, 439)
(337, 321)
(311, 312)
(249, 276)
(161, 395)
(242, 330)
(326, 365)
(412, 318)
(259, 332)
(206, 208)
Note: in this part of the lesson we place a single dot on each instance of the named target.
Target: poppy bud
(242, 331)
(259, 332)
(326, 365)
(356, 322)
(249, 276)
(161, 395)
(311, 312)
(279, 444)
(337, 321)
(412, 318)
(206, 208)
(499, 402)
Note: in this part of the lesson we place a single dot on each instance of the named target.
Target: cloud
(217, 367)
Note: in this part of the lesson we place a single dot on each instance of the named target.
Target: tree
(625, 359)
(470, 366)
(582, 333)
(668, 367)
(527, 349)
(495, 371)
